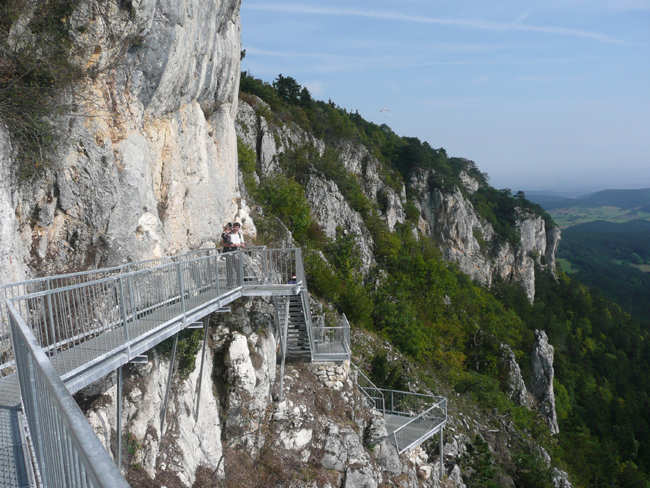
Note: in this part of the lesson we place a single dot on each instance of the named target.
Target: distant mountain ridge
(607, 205)
(625, 199)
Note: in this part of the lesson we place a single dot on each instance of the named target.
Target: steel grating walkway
(77, 328)
(13, 472)
(411, 418)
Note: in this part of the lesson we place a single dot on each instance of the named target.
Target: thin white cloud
(419, 19)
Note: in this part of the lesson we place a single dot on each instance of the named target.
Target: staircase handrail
(304, 296)
(372, 387)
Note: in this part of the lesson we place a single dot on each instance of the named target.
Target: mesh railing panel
(67, 451)
(373, 395)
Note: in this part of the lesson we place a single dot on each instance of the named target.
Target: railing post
(442, 467)
(265, 266)
(51, 314)
(241, 268)
(118, 457)
(216, 274)
(206, 322)
(181, 289)
(285, 338)
(131, 298)
(36, 436)
(122, 309)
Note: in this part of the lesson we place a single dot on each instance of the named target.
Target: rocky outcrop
(322, 426)
(469, 241)
(185, 444)
(542, 380)
(13, 249)
(560, 479)
(148, 167)
(515, 387)
(331, 210)
(267, 138)
(270, 138)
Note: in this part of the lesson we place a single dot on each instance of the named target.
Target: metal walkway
(71, 330)
(411, 418)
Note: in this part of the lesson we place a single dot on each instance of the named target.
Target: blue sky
(542, 95)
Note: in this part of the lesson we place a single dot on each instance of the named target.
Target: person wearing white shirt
(236, 237)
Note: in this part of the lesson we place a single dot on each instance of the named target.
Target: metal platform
(71, 330)
(411, 418)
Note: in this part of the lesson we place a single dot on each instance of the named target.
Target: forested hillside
(436, 315)
(615, 258)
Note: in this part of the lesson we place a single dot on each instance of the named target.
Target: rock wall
(270, 139)
(448, 217)
(469, 241)
(542, 380)
(148, 166)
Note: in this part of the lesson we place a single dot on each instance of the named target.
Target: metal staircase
(298, 345)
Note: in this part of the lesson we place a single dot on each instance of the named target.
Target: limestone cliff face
(148, 165)
(270, 139)
(542, 380)
(448, 217)
(469, 241)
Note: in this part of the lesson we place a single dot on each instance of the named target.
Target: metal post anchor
(170, 376)
(119, 418)
(442, 451)
(206, 321)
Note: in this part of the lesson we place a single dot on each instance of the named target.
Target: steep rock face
(270, 139)
(149, 166)
(515, 386)
(185, 444)
(542, 379)
(468, 240)
(331, 210)
(359, 162)
(12, 245)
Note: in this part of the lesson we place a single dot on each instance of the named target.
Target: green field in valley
(567, 217)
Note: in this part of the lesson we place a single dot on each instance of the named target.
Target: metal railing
(331, 343)
(113, 310)
(417, 416)
(81, 326)
(68, 454)
(411, 418)
(304, 297)
(373, 395)
(48, 283)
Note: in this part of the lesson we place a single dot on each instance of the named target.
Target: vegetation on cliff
(437, 316)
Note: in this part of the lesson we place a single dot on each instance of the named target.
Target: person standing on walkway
(225, 238)
(236, 237)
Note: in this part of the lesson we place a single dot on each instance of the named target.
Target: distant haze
(542, 95)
